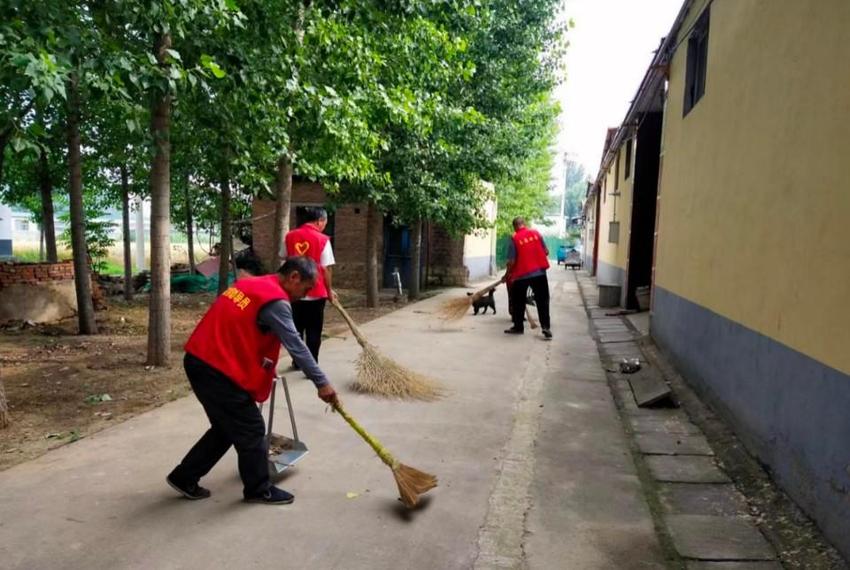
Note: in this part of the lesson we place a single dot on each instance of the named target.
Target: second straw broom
(381, 375)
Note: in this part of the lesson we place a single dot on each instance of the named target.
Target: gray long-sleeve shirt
(277, 317)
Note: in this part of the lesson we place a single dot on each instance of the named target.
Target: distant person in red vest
(231, 359)
(308, 240)
(528, 260)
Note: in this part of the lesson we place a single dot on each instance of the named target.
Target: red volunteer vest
(309, 241)
(530, 253)
(229, 339)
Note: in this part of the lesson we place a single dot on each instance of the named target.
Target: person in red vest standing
(308, 240)
(528, 260)
(231, 359)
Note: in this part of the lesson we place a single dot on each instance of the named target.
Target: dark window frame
(628, 165)
(697, 62)
(617, 171)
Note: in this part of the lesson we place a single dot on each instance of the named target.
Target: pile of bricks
(35, 273)
(12, 273)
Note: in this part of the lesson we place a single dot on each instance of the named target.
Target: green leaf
(174, 54)
(208, 62)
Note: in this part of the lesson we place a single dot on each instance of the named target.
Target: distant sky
(610, 49)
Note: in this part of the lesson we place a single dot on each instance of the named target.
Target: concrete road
(533, 465)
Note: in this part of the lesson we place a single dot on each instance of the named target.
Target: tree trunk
(226, 237)
(374, 224)
(125, 230)
(82, 278)
(47, 225)
(159, 316)
(4, 407)
(415, 260)
(190, 231)
(283, 205)
(5, 137)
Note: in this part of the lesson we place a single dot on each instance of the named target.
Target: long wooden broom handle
(382, 451)
(354, 330)
(481, 292)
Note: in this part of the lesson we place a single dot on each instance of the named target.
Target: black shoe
(273, 496)
(294, 366)
(548, 334)
(192, 492)
(514, 330)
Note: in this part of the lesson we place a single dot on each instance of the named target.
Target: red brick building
(446, 259)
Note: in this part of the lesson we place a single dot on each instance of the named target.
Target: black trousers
(540, 287)
(309, 317)
(235, 420)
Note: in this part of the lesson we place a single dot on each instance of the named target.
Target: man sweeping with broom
(528, 260)
(230, 360)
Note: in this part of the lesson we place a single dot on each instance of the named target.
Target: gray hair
(304, 266)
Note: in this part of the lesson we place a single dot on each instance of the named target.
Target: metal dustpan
(284, 452)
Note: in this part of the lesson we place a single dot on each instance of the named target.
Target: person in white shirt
(309, 240)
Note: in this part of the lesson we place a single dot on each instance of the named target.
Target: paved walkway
(533, 464)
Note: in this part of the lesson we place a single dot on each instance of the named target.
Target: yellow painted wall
(755, 201)
(616, 254)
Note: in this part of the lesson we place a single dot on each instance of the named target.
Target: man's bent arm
(277, 316)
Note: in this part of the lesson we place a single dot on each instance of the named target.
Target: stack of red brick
(35, 273)
(12, 273)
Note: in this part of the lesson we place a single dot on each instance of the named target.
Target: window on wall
(604, 189)
(613, 232)
(22, 225)
(697, 63)
(628, 165)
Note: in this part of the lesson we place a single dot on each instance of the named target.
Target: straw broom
(411, 482)
(380, 375)
(531, 322)
(455, 309)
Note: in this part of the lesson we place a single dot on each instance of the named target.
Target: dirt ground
(62, 387)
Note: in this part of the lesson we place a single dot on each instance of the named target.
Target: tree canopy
(201, 105)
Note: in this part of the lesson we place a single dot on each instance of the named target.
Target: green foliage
(575, 187)
(97, 232)
(524, 191)
(407, 104)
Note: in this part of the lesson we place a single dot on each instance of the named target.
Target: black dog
(483, 303)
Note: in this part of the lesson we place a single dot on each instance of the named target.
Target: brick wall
(35, 273)
(41, 273)
(349, 232)
(446, 258)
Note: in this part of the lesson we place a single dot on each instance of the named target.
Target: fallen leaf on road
(351, 495)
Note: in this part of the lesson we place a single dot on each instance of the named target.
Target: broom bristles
(455, 309)
(382, 376)
(411, 483)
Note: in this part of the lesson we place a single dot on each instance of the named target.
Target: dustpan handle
(289, 406)
(271, 409)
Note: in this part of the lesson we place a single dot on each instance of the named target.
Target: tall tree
(159, 312)
(82, 278)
